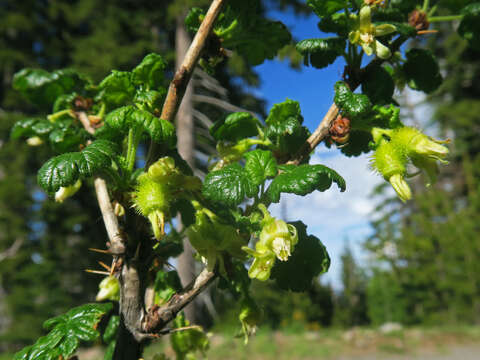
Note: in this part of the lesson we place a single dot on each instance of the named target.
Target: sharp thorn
(105, 266)
(114, 265)
(99, 250)
(97, 272)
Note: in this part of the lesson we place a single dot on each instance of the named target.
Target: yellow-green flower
(277, 241)
(365, 34)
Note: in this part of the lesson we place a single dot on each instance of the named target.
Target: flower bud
(67, 191)
(401, 187)
(418, 144)
(118, 209)
(109, 289)
(34, 141)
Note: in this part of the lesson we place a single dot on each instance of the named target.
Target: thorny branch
(117, 242)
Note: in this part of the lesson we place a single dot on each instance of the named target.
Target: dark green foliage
(117, 88)
(284, 128)
(324, 8)
(149, 72)
(357, 144)
(422, 71)
(242, 28)
(66, 169)
(166, 284)
(354, 105)
(308, 260)
(228, 186)
(62, 134)
(42, 87)
(302, 180)
(66, 332)
(234, 127)
(378, 85)
(260, 166)
(186, 210)
(385, 299)
(337, 23)
(351, 306)
(321, 52)
(122, 119)
(187, 341)
(469, 27)
(109, 336)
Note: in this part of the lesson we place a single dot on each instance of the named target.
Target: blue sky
(332, 216)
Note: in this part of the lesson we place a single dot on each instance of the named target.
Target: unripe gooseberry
(152, 200)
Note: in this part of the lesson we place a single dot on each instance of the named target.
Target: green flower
(65, 192)
(277, 240)
(391, 162)
(211, 238)
(365, 34)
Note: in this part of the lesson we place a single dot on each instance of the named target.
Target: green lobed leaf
(321, 52)
(194, 19)
(64, 102)
(186, 210)
(66, 332)
(234, 127)
(303, 180)
(243, 29)
(150, 72)
(325, 8)
(469, 27)
(378, 85)
(122, 119)
(117, 88)
(66, 169)
(42, 87)
(260, 165)
(166, 284)
(422, 71)
(186, 343)
(151, 100)
(285, 128)
(111, 329)
(337, 23)
(308, 260)
(261, 41)
(228, 186)
(28, 127)
(354, 105)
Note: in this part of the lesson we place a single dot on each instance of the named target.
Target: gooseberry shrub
(95, 131)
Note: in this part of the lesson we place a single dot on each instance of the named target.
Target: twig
(83, 118)
(115, 235)
(12, 250)
(320, 133)
(184, 73)
(158, 317)
(117, 242)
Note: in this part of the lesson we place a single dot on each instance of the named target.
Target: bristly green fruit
(152, 200)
